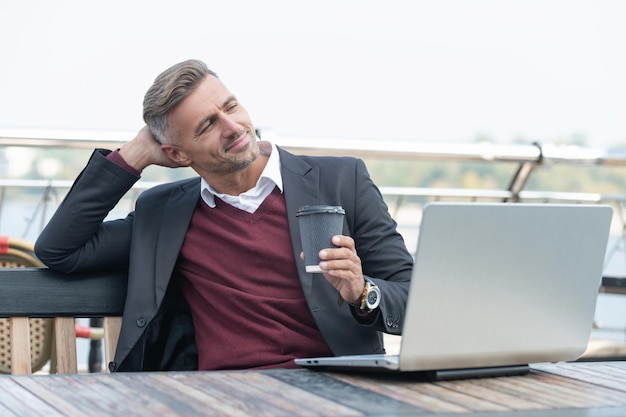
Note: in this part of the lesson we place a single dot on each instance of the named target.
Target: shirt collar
(271, 172)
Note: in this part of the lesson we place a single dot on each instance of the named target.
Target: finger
(336, 253)
(343, 267)
(343, 242)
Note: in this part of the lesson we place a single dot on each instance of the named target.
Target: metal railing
(404, 203)
(401, 200)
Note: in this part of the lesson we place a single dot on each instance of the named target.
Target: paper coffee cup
(318, 224)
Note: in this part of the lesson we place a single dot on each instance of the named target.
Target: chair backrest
(39, 292)
(18, 253)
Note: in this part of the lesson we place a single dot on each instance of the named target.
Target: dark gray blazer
(157, 333)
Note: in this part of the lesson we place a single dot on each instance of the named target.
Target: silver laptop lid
(501, 284)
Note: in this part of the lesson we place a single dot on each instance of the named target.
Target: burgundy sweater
(240, 279)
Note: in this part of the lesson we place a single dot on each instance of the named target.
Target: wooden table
(574, 389)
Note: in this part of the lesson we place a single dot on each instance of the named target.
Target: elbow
(52, 258)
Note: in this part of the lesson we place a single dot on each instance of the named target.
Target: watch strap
(363, 305)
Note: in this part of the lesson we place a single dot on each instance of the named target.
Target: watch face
(372, 297)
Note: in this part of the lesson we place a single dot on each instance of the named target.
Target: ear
(176, 154)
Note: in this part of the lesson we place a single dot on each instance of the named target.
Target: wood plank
(187, 397)
(531, 390)
(51, 390)
(332, 387)
(540, 389)
(195, 394)
(285, 397)
(595, 373)
(235, 394)
(65, 343)
(94, 294)
(302, 393)
(403, 391)
(191, 393)
(458, 398)
(589, 392)
(112, 395)
(480, 388)
(17, 401)
(20, 345)
(112, 327)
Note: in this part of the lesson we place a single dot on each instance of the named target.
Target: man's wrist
(358, 304)
(118, 159)
(370, 297)
(136, 154)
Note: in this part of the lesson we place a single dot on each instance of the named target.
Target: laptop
(494, 288)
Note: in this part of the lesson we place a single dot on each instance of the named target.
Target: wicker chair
(17, 253)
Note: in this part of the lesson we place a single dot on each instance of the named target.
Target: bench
(42, 293)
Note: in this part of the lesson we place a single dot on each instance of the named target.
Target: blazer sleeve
(383, 252)
(76, 238)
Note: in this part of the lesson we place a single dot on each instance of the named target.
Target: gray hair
(170, 88)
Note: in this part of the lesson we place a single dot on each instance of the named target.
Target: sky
(432, 71)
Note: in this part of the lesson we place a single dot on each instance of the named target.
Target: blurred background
(410, 72)
(449, 70)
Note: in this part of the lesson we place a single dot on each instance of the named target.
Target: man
(215, 272)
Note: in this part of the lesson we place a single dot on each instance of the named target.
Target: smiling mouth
(240, 142)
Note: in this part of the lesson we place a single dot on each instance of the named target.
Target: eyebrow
(211, 117)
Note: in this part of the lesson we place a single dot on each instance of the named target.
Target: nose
(229, 126)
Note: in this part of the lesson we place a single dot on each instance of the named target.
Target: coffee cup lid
(306, 210)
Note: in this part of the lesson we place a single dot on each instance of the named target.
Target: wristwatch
(370, 298)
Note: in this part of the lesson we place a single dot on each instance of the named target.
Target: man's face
(215, 133)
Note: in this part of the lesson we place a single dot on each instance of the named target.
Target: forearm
(76, 237)
(384, 256)
(134, 154)
(143, 150)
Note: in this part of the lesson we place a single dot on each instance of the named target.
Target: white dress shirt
(251, 199)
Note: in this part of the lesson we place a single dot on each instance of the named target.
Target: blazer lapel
(177, 214)
(301, 188)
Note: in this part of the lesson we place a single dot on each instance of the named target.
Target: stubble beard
(243, 163)
(239, 163)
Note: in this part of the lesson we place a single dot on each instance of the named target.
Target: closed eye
(206, 123)
(231, 107)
